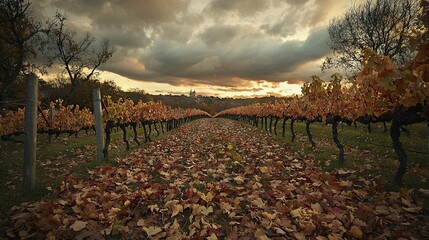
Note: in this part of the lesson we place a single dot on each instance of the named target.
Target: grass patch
(370, 152)
(63, 156)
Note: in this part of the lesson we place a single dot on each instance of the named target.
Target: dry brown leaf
(226, 207)
(299, 235)
(260, 234)
(355, 232)
(317, 208)
(259, 203)
(141, 223)
(152, 230)
(78, 225)
(212, 237)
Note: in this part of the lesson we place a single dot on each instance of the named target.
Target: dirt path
(215, 179)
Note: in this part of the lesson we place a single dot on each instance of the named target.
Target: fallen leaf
(299, 235)
(176, 210)
(212, 237)
(264, 169)
(424, 191)
(317, 208)
(259, 203)
(152, 231)
(413, 209)
(355, 232)
(260, 234)
(346, 183)
(267, 215)
(78, 225)
(226, 207)
(141, 223)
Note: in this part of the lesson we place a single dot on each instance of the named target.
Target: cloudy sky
(228, 48)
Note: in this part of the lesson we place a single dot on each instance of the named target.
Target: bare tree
(78, 57)
(18, 31)
(384, 26)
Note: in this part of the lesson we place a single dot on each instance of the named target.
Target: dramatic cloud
(225, 44)
(220, 8)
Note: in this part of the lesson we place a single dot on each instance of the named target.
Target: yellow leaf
(212, 237)
(279, 231)
(208, 197)
(237, 201)
(204, 210)
(238, 179)
(230, 147)
(176, 210)
(76, 209)
(297, 213)
(264, 169)
(78, 225)
(152, 231)
(52, 237)
(226, 207)
(267, 215)
(140, 223)
(237, 157)
(346, 183)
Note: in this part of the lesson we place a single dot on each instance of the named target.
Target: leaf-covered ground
(217, 179)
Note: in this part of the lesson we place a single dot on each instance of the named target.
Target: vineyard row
(123, 114)
(380, 92)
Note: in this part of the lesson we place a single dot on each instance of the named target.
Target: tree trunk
(156, 129)
(124, 136)
(395, 133)
(337, 142)
(134, 126)
(271, 124)
(310, 136)
(284, 127)
(369, 127)
(144, 131)
(275, 125)
(150, 132)
(109, 126)
(292, 121)
(162, 127)
(266, 124)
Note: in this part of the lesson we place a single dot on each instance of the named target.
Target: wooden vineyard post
(30, 132)
(96, 100)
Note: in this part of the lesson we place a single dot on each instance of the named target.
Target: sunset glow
(216, 47)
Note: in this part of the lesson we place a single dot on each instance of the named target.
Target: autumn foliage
(213, 179)
(72, 118)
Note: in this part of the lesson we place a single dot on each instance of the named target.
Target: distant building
(192, 94)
